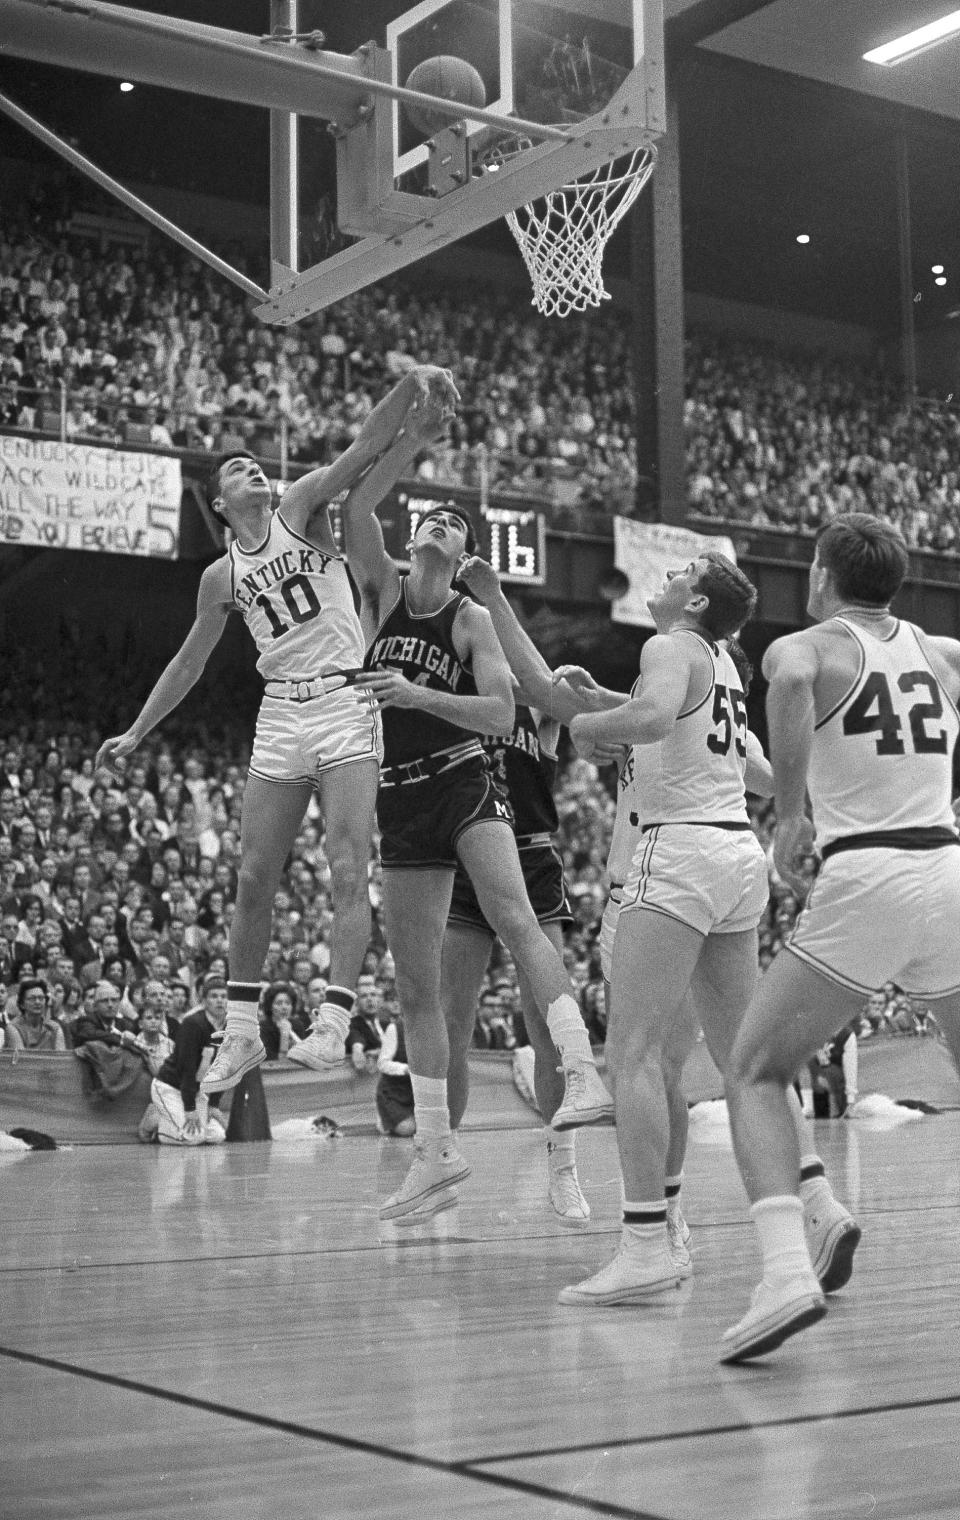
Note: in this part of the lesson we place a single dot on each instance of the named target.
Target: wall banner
(645, 552)
(76, 496)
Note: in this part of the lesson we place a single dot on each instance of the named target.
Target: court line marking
(330, 1438)
(863, 1411)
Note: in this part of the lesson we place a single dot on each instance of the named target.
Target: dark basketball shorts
(421, 822)
(543, 876)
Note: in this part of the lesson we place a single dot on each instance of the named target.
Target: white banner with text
(644, 552)
(75, 496)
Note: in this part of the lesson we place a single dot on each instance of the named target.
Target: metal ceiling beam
(704, 19)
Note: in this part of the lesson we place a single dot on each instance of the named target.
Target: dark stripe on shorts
(893, 839)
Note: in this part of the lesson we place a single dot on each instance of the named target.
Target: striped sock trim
(340, 997)
(672, 1187)
(243, 992)
(644, 1213)
(810, 1167)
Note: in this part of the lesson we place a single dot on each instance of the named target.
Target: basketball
(453, 79)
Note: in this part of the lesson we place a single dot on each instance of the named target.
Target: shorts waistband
(308, 688)
(936, 838)
(524, 841)
(425, 767)
(731, 826)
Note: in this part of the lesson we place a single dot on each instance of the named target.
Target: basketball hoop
(563, 235)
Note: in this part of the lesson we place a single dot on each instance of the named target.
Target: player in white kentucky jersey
(862, 717)
(692, 897)
(284, 574)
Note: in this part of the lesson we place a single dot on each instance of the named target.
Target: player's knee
(348, 871)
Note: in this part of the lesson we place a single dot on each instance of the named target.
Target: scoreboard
(513, 539)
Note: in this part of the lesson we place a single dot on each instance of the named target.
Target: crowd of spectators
(147, 345)
(117, 895)
(788, 442)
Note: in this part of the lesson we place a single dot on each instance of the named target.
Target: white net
(563, 235)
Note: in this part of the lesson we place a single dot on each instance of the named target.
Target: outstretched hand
(115, 749)
(388, 688)
(435, 388)
(480, 578)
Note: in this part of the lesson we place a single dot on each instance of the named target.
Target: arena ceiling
(785, 131)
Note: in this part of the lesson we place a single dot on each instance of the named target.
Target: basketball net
(562, 236)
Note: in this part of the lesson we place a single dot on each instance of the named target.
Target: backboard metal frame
(291, 75)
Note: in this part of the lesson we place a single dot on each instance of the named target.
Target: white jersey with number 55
(696, 774)
(298, 604)
(882, 757)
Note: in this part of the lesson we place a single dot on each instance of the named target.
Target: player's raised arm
(371, 566)
(426, 384)
(186, 667)
(650, 715)
(539, 685)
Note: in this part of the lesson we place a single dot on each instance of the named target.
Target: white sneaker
(322, 1048)
(566, 1199)
(678, 1237)
(447, 1198)
(627, 1279)
(832, 1237)
(585, 1099)
(238, 1054)
(776, 1312)
(436, 1167)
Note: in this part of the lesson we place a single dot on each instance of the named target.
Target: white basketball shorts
(885, 915)
(298, 741)
(712, 879)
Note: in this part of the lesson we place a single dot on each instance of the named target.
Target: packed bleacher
(145, 345)
(117, 893)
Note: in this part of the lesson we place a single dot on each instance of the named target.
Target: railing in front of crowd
(57, 411)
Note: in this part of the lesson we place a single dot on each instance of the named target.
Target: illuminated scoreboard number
(512, 540)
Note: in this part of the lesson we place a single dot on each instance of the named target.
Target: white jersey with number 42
(882, 758)
(298, 604)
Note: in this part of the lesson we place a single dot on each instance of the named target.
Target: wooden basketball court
(227, 1333)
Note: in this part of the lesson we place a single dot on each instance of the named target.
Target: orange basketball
(453, 79)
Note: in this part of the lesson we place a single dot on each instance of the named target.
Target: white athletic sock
(671, 1191)
(779, 1222)
(243, 1004)
(336, 1010)
(560, 1145)
(430, 1107)
(567, 1029)
(644, 1227)
(813, 1180)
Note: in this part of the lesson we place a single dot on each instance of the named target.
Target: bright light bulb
(936, 268)
(940, 280)
(126, 87)
(803, 237)
(912, 43)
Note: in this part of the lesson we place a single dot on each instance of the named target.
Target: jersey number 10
(872, 712)
(292, 590)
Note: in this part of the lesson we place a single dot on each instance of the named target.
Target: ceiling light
(126, 87)
(912, 43)
(803, 237)
(936, 269)
(940, 280)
